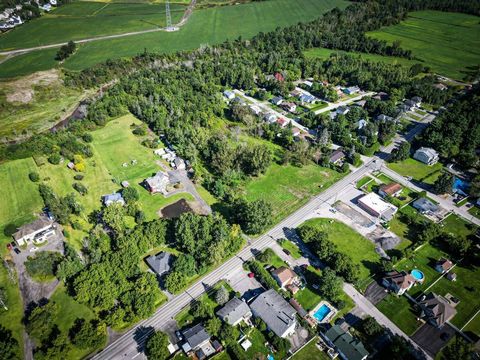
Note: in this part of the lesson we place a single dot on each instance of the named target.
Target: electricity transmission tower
(169, 16)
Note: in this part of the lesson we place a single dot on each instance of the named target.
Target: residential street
(333, 106)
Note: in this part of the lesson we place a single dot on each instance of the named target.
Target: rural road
(182, 22)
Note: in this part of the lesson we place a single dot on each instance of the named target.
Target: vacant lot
(447, 42)
(206, 26)
(417, 170)
(351, 243)
(82, 20)
(401, 312)
(289, 187)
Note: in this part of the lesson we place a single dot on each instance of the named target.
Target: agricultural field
(323, 54)
(206, 26)
(35, 103)
(85, 19)
(351, 243)
(449, 43)
(288, 187)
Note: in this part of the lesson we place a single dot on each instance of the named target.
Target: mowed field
(205, 26)
(84, 19)
(447, 42)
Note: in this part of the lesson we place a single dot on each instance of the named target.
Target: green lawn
(323, 53)
(206, 26)
(364, 181)
(84, 19)
(475, 211)
(310, 351)
(288, 187)
(474, 326)
(457, 226)
(348, 241)
(292, 248)
(417, 170)
(401, 312)
(447, 42)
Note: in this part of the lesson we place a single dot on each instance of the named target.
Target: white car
(33, 249)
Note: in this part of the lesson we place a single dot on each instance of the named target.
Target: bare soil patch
(22, 90)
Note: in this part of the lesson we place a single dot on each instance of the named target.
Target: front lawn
(291, 248)
(417, 170)
(310, 351)
(364, 181)
(288, 187)
(400, 311)
(348, 241)
(457, 226)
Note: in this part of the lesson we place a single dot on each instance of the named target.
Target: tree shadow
(141, 335)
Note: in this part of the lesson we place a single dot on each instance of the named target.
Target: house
(196, 338)
(337, 156)
(410, 104)
(435, 309)
(255, 109)
(279, 77)
(360, 103)
(296, 131)
(125, 184)
(451, 276)
(361, 124)
(71, 165)
(38, 231)
(47, 7)
(393, 190)
(289, 106)
(270, 118)
(282, 122)
(374, 205)
(440, 86)
(403, 108)
(158, 183)
(285, 278)
(230, 95)
(384, 118)
(307, 98)
(417, 101)
(179, 163)
(342, 110)
(239, 101)
(382, 96)
(308, 83)
(115, 198)
(346, 345)
(351, 90)
(277, 100)
(398, 282)
(443, 265)
(159, 263)
(274, 310)
(159, 152)
(234, 312)
(426, 155)
(425, 206)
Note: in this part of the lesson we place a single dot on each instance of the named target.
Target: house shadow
(352, 319)
(372, 266)
(141, 335)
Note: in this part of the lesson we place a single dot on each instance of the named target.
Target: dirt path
(182, 22)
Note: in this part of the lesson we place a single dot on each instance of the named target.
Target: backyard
(401, 312)
(310, 351)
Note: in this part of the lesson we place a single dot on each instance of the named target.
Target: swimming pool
(417, 274)
(321, 313)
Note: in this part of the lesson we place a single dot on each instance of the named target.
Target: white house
(374, 205)
(37, 231)
(426, 155)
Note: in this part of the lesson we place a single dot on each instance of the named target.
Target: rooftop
(196, 335)
(233, 311)
(32, 227)
(159, 263)
(375, 202)
(437, 308)
(284, 274)
(350, 347)
(391, 189)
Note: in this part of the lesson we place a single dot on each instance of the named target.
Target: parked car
(251, 275)
(33, 249)
(17, 250)
(179, 335)
(286, 252)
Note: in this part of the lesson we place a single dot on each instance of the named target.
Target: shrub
(54, 159)
(139, 131)
(78, 177)
(34, 176)
(82, 189)
(43, 265)
(87, 137)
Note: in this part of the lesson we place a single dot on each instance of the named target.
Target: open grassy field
(447, 42)
(85, 19)
(323, 54)
(401, 312)
(288, 187)
(35, 103)
(351, 243)
(206, 26)
(417, 170)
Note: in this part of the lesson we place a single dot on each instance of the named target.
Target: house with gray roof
(115, 198)
(276, 312)
(435, 309)
(234, 312)
(159, 263)
(426, 155)
(158, 183)
(195, 337)
(425, 206)
(348, 347)
(38, 231)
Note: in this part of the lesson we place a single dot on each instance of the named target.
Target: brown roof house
(392, 190)
(398, 282)
(436, 310)
(286, 279)
(443, 265)
(337, 156)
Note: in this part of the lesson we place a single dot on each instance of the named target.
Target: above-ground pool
(418, 275)
(321, 313)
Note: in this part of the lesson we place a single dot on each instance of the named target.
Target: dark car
(286, 252)
(17, 250)
(179, 335)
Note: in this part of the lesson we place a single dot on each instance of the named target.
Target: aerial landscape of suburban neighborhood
(240, 179)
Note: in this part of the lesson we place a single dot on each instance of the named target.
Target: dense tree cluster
(9, 348)
(60, 207)
(65, 51)
(43, 266)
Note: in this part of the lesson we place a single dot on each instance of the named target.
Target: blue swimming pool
(322, 313)
(460, 186)
(417, 274)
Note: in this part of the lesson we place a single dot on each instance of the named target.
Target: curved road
(182, 22)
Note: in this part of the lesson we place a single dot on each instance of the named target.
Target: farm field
(205, 26)
(288, 187)
(85, 19)
(349, 242)
(323, 53)
(449, 43)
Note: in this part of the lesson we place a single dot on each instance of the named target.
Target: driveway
(432, 339)
(241, 283)
(375, 292)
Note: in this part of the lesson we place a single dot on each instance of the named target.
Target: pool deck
(329, 316)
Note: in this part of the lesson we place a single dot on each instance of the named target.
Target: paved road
(182, 22)
(332, 106)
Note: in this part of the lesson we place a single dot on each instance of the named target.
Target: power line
(169, 16)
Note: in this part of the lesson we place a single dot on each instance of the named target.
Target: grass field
(401, 312)
(288, 187)
(447, 42)
(206, 26)
(291, 248)
(323, 54)
(84, 19)
(417, 170)
(348, 241)
(310, 351)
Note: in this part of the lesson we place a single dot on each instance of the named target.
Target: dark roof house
(436, 310)
(398, 282)
(425, 206)
(443, 265)
(196, 337)
(234, 311)
(347, 346)
(337, 156)
(159, 263)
